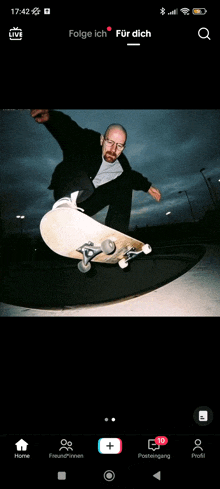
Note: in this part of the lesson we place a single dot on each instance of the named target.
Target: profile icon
(197, 447)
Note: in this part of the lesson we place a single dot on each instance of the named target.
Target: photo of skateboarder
(95, 172)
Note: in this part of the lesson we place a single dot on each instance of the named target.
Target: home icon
(21, 446)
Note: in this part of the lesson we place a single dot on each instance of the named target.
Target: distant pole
(181, 191)
(210, 193)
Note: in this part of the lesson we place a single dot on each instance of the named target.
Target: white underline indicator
(133, 44)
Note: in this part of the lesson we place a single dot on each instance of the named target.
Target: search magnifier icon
(203, 32)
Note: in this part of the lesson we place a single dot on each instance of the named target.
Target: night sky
(169, 147)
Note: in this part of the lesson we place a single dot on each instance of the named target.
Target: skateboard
(71, 233)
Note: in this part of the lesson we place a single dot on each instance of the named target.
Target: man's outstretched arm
(66, 131)
(139, 182)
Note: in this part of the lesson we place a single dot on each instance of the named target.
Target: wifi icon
(185, 11)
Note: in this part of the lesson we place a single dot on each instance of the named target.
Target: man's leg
(119, 212)
(118, 195)
(80, 182)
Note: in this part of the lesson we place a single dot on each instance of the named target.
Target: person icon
(66, 444)
(197, 443)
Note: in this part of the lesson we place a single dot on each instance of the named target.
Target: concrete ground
(195, 293)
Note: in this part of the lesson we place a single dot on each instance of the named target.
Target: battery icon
(199, 11)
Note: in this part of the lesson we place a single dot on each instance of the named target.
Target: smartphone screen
(89, 400)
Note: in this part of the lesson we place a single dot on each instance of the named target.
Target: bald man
(94, 172)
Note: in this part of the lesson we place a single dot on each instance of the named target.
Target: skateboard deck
(67, 230)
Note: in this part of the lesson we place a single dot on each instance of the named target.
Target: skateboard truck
(132, 253)
(89, 251)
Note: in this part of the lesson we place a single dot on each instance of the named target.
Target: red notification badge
(161, 440)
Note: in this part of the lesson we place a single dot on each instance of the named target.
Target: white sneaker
(67, 202)
(74, 198)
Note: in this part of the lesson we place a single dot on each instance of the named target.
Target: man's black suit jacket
(82, 155)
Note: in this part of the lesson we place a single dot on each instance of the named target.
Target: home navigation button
(109, 475)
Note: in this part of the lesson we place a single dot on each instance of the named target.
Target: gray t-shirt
(107, 172)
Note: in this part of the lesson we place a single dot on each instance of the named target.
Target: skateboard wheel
(84, 268)
(122, 263)
(108, 246)
(146, 249)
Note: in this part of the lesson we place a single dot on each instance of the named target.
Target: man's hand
(155, 193)
(40, 115)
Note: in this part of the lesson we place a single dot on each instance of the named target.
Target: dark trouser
(116, 194)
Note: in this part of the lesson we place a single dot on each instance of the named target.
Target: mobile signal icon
(173, 12)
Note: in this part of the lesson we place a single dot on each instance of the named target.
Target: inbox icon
(152, 445)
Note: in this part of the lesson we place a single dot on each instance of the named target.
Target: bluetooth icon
(162, 11)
